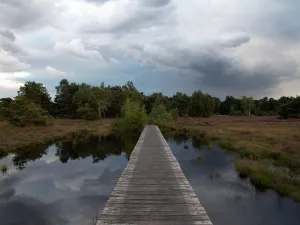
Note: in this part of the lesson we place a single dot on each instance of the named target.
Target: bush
(236, 113)
(290, 109)
(134, 118)
(87, 113)
(23, 113)
(175, 114)
(159, 115)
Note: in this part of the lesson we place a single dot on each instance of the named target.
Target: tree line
(33, 104)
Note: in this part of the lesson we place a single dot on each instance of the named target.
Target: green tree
(181, 102)
(114, 108)
(150, 100)
(247, 105)
(209, 105)
(64, 105)
(37, 93)
(92, 102)
(202, 104)
(197, 104)
(84, 100)
(130, 92)
(134, 118)
(6, 108)
(290, 108)
(159, 114)
(230, 106)
(100, 99)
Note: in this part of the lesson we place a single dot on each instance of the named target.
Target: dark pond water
(66, 183)
(70, 182)
(227, 199)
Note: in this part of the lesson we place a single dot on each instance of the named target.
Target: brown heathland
(268, 148)
(13, 138)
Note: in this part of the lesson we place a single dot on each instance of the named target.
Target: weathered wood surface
(152, 189)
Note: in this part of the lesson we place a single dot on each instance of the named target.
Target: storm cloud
(221, 47)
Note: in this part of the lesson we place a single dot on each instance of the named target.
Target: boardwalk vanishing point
(152, 189)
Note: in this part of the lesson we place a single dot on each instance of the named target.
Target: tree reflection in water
(98, 148)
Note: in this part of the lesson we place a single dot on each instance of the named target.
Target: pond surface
(227, 199)
(70, 182)
(66, 183)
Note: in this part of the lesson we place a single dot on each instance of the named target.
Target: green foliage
(159, 115)
(5, 108)
(175, 114)
(94, 102)
(202, 104)
(134, 118)
(131, 93)
(64, 105)
(155, 98)
(87, 113)
(181, 102)
(247, 105)
(23, 113)
(100, 100)
(236, 113)
(36, 93)
(290, 108)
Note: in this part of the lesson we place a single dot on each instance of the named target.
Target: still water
(66, 183)
(70, 182)
(228, 199)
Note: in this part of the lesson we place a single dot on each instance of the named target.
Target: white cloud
(114, 61)
(76, 48)
(9, 63)
(9, 83)
(54, 72)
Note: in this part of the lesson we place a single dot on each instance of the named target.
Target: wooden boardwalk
(152, 189)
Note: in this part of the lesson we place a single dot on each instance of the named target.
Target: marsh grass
(267, 148)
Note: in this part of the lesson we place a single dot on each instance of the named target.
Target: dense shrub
(87, 113)
(290, 109)
(175, 114)
(159, 115)
(134, 118)
(22, 112)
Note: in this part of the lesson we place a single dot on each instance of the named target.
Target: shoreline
(17, 138)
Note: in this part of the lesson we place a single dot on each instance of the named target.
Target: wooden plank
(152, 189)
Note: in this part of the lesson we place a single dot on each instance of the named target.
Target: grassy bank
(268, 148)
(14, 138)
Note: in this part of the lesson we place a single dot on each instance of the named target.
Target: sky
(223, 47)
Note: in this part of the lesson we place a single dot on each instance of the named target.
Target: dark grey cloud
(235, 41)
(8, 34)
(151, 3)
(224, 73)
(7, 41)
(147, 15)
(10, 46)
(156, 3)
(24, 14)
(217, 72)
